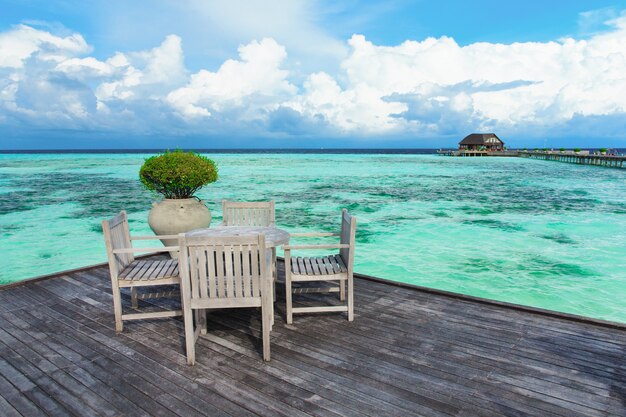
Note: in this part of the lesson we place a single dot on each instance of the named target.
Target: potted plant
(562, 150)
(577, 150)
(177, 176)
(603, 151)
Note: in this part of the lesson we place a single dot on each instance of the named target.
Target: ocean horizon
(537, 233)
(384, 151)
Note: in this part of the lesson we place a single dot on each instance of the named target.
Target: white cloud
(47, 81)
(31, 92)
(85, 68)
(544, 83)
(592, 22)
(360, 108)
(212, 30)
(256, 80)
(147, 74)
(291, 22)
(20, 43)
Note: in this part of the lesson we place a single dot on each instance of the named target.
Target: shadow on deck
(408, 352)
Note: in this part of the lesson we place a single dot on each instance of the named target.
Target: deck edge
(61, 273)
(504, 304)
(428, 290)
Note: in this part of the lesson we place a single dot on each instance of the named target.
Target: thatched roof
(478, 139)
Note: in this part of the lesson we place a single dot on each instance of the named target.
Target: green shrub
(602, 150)
(177, 174)
(562, 149)
(576, 149)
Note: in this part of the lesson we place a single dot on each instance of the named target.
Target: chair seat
(326, 265)
(150, 270)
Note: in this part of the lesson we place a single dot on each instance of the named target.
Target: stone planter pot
(174, 216)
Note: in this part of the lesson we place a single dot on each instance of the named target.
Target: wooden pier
(611, 161)
(453, 152)
(410, 351)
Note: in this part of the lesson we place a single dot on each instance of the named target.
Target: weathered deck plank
(408, 352)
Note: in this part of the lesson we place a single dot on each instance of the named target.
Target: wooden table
(273, 236)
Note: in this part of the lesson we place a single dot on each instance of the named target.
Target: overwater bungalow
(488, 142)
(479, 144)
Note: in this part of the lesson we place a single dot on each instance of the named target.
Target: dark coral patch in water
(97, 195)
(559, 238)
(440, 214)
(539, 266)
(536, 266)
(494, 224)
(8, 229)
(363, 207)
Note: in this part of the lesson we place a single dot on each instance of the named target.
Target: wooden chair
(335, 268)
(260, 214)
(128, 272)
(235, 213)
(223, 272)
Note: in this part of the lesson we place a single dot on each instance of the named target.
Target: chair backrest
(235, 213)
(348, 236)
(222, 267)
(117, 236)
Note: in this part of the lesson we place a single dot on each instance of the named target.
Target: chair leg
(190, 340)
(201, 320)
(274, 274)
(117, 308)
(350, 298)
(133, 297)
(272, 300)
(266, 320)
(342, 290)
(270, 264)
(288, 301)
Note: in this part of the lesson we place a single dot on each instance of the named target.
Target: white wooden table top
(273, 235)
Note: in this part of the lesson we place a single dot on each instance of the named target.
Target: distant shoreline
(372, 151)
(420, 151)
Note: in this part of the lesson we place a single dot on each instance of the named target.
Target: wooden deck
(408, 352)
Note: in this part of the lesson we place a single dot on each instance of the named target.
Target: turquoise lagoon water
(539, 233)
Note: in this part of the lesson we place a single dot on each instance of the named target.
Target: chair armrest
(337, 246)
(312, 234)
(154, 237)
(158, 249)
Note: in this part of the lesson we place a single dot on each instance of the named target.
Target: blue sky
(144, 74)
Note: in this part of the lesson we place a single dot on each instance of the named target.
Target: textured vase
(174, 216)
